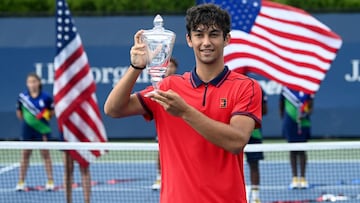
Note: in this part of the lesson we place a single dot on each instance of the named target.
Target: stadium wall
(28, 45)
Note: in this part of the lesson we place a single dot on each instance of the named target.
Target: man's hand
(138, 54)
(171, 101)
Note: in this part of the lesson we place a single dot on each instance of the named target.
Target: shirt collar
(217, 81)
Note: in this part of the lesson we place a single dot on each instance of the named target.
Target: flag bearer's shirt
(296, 105)
(36, 112)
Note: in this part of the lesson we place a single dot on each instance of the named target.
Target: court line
(330, 161)
(93, 189)
(95, 163)
(9, 168)
(322, 187)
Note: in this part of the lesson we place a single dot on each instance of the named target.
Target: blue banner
(28, 45)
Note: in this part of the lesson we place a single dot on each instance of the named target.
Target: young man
(295, 110)
(171, 69)
(204, 118)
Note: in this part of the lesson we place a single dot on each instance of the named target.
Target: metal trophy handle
(159, 45)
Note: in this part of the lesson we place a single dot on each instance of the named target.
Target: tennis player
(204, 118)
(295, 110)
(34, 109)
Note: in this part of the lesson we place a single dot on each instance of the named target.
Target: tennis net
(128, 170)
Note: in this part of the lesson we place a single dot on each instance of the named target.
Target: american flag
(76, 105)
(279, 42)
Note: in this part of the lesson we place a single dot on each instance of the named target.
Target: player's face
(171, 69)
(33, 84)
(208, 43)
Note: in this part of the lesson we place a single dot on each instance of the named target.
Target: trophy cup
(159, 44)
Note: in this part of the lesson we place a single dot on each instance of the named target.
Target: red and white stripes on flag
(282, 43)
(76, 105)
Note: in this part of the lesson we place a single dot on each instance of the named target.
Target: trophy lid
(158, 29)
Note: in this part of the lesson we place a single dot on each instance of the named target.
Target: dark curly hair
(174, 61)
(208, 15)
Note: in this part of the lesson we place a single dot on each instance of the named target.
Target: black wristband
(137, 67)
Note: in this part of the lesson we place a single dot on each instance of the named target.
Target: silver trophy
(159, 45)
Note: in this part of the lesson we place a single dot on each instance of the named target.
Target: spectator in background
(35, 109)
(295, 110)
(253, 158)
(172, 67)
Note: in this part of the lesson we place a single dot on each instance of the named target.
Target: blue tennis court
(111, 182)
(131, 182)
(335, 177)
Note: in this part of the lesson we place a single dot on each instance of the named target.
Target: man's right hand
(138, 53)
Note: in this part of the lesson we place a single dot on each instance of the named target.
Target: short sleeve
(50, 103)
(146, 102)
(249, 102)
(312, 96)
(18, 103)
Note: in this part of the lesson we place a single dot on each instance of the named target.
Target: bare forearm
(19, 114)
(120, 103)
(228, 137)
(119, 97)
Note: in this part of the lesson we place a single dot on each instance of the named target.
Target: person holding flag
(295, 110)
(35, 109)
(253, 158)
(76, 107)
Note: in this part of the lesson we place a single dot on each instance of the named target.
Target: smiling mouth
(207, 50)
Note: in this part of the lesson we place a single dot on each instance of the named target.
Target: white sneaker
(255, 196)
(156, 185)
(49, 186)
(303, 184)
(295, 183)
(20, 186)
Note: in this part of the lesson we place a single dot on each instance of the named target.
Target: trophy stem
(157, 73)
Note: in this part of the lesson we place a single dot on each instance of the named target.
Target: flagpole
(68, 177)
